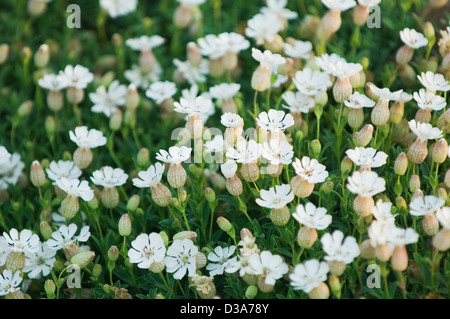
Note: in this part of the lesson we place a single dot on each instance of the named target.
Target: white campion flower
(385, 95)
(335, 65)
(221, 261)
(191, 73)
(443, 215)
(367, 157)
(143, 79)
(212, 46)
(424, 131)
(421, 206)
(308, 275)
(52, 82)
(161, 91)
(224, 91)
(297, 102)
(338, 249)
(358, 101)
(60, 169)
(234, 42)
(76, 76)
(263, 27)
(427, 100)
(231, 120)
(401, 237)
(366, 183)
(4, 155)
(147, 249)
(268, 59)
(85, 138)
(278, 152)
(245, 152)
(180, 258)
(40, 263)
(191, 3)
(109, 177)
(368, 3)
(310, 170)
(4, 251)
(10, 171)
(192, 107)
(108, 101)
(313, 217)
(311, 82)
(191, 95)
(25, 241)
(216, 145)
(276, 197)
(339, 5)
(380, 233)
(382, 212)
(413, 39)
(298, 49)
(228, 169)
(73, 187)
(275, 121)
(9, 282)
(64, 237)
(118, 8)
(434, 82)
(271, 267)
(278, 7)
(145, 43)
(175, 155)
(149, 178)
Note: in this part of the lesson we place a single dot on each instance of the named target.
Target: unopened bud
(346, 165)
(185, 235)
(50, 288)
(210, 195)
(132, 97)
(82, 259)
(224, 224)
(193, 54)
(25, 108)
(113, 253)
(42, 56)
(133, 203)
(143, 157)
(115, 122)
(440, 151)
(164, 237)
(251, 292)
(37, 174)
(124, 225)
(36, 7)
(261, 79)
(401, 164)
(70, 206)
(364, 136)
(46, 230)
(182, 17)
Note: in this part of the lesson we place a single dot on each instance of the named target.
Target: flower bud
(364, 136)
(50, 288)
(404, 55)
(430, 224)
(82, 157)
(192, 235)
(70, 206)
(42, 56)
(164, 237)
(46, 230)
(124, 225)
(110, 197)
(193, 54)
(440, 151)
(316, 147)
(335, 285)
(399, 259)
(113, 253)
(132, 97)
(50, 126)
(407, 75)
(133, 203)
(360, 15)
(234, 185)
(115, 122)
(210, 195)
(161, 195)
(342, 90)
(25, 108)
(182, 17)
(441, 241)
(331, 22)
(93, 203)
(326, 188)
(414, 183)
(36, 7)
(143, 157)
(82, 259)
(176, 176)
(346, 165)
(147, 61)
(4, 52)
(306, 237)
(261, 79)
(320, 292)
(367, 250)
(300, 187)
(37, 174)
(401, 164)
(224, 224)
(400, 202)
(251, 292)
(442, 193)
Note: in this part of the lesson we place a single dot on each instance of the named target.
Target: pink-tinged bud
(261, 78)
(401, 164)
(363, 206)
(423, 115)
(113, 253)
(355, 118)
(418, 151)
(161, 195)
(440, 151)
(430, 224)
(280, 217)
(147, 61)
(195, 126)
(331, 22)
(396, 112)
(336, 267)
(70, 206)
(234, 185)
(342, 89)
(276, 45)
(360, 15)
(441, 241)
(15, 261)
(399, 259)
(82, 157)
(37, 174)
(414, 183)
(250, 172)
(367, 250)
(306, 237)
(176, 176)
(404, 54)
(383, 252)
(192, 235)
(320, 292)
(364, 136)
(75, 95)
(301, 187)
(182, 17)
(193, 54)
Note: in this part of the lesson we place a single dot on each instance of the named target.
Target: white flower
(147, 249)
(366, 183)
(212, 46)
(298, 102)
(424, 131)
(10, 171)
(181, 258)
(382, 212)
(143, 79)
(263, 27)
(310, 170)
(221, 261)
(67, 169)
(278, 152)
(231, 120)
(228, 169)
(268, 59)
(161, 91)
(108, 101)
(404, 97)
(443, 215)
(117, 8)
(338, 249)
(191, 3)
(311, 82)
(421, 206)
(175, 155)
(339, 5)
(40, 263)
(312, 216)
(368, 3)
(145, 43)
(429, 101)
(271, 267)
(224, 91)
(234, 42)
(9, 282)
(4, 251)
(367, 157)
(192, 74)
(380, 232)
(64, 237)
(4, 155)
(298, 50)
(191, 96)
(276, 197)
(278, 7)
(434, 81)
(402, 237)
(149, 178)
(335, 65)
(25, 241)
(412, 38)
(385, 94)
(192, 107)
(52, 82)
(78, 76)
(358, 101)
(73, 187)
(216, 145)
(309, 275)
(275, 121)
(109, 177)
(245, 152)
(85, 138)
